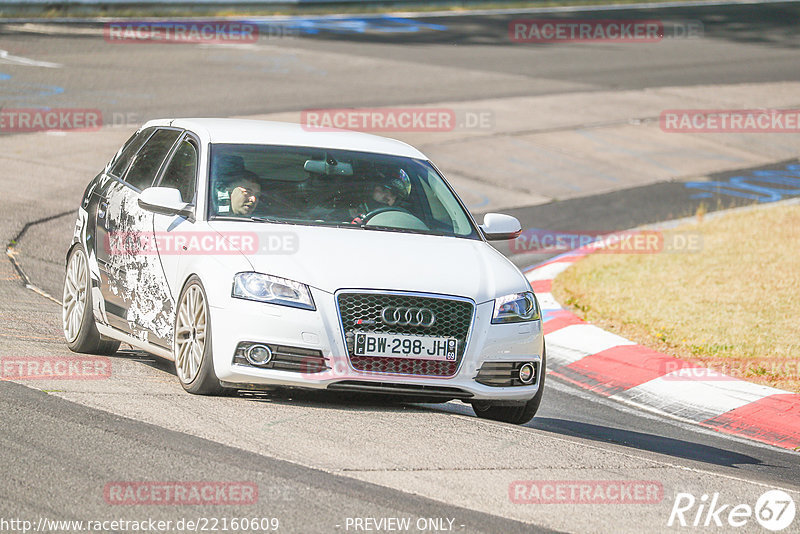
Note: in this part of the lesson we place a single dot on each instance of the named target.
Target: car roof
(256, 132)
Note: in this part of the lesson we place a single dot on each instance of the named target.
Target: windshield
(314, 186)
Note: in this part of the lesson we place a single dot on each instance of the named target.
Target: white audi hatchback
(261, 254)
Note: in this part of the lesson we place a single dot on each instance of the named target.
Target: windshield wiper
(402, 230)
(332, 224)
(303, 222)
(271, 220)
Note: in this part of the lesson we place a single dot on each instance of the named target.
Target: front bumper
(247, 321)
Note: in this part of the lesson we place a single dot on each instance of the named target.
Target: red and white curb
(612, 366)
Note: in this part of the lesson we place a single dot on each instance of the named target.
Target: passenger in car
(243, 190)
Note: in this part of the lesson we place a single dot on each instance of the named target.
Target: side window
(121, 162)
(182, 171)
(148, 160)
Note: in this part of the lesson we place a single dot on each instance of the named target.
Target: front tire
(77, 316)
(517, 415)
(194, 362)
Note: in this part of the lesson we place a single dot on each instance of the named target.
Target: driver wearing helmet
(387, 191)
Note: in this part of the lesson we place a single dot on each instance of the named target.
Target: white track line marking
(572, 343)
(697, 400)
(549, 271)
(5, 57)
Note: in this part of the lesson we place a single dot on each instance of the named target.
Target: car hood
(342, 258)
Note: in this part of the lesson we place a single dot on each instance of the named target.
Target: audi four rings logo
(407, 316)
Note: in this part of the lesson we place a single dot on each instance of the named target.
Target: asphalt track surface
(56, 453)
(472, 59)
(66, 439)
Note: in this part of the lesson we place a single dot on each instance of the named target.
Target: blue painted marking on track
(484, 200)
(482, 203)
(4, 76)
(28, 91)
(50, 90)
(410, 25)
(313, 26)
(761, 185)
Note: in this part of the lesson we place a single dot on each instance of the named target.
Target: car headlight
(272, 289)
(516, 308)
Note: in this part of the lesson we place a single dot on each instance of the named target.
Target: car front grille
(362, 312)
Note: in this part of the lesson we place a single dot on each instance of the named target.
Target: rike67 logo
(774, 510)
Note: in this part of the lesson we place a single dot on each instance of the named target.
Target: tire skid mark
(12, 253)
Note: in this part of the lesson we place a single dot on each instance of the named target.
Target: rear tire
(191, 345)
(517, 415)
(77, 315)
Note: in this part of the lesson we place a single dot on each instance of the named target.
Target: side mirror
(497, 227)
(166, 201)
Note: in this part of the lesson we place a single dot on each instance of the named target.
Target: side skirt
(113, 333)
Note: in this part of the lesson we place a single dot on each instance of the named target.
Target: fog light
(527, 373)
(259, 355)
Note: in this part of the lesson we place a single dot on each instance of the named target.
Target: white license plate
(406, 346)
